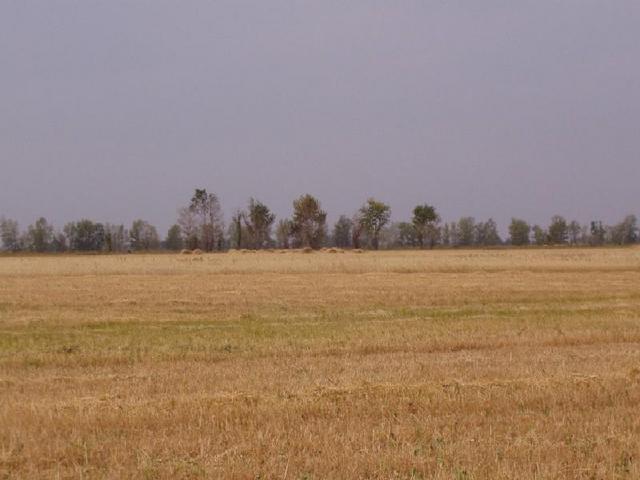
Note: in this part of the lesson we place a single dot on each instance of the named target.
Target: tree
(116, 238)
(59, 242)
(189, 225)
(143, 236)
(407, 235)
(85, 235)
(558, 230)
(356, 230)
(258, 221)
(283, 233)
(486, 233)
(446, 235)
(539, 235)
(519, 232)
(10, 234)
(598, 232)
(466, 231)
(206, 208)
(573, 232)
(585, 235)
(237, 231)
(174, 240)
(390, 234)
(39, 235)
(625, 232)
(373, 216)
(454, 236)
(342, 232)
(425, 221)
(309, 222)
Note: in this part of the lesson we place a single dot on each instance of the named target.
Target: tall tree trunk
(239, 228)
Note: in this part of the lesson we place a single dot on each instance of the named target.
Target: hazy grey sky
(115, 110)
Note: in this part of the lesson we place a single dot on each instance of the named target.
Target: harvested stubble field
(445, 364)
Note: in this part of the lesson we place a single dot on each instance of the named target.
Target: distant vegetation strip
(200, 226)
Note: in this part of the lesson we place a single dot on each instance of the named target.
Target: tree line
(200, 225)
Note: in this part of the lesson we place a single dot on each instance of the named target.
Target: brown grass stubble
(389, 365)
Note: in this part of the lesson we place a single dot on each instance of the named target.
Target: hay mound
(307, 250)
(197, 251)
(358, 250)
(184, 251)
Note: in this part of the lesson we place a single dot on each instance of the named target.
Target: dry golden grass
(445, 364)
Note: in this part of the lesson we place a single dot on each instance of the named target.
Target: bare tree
(573, 230)
(206, 208)
(283, 233)
(189, 225)
(116, 238)
(10, 234)
(143, 236)
(625, 232)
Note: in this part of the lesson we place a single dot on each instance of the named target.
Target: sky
(116, 110)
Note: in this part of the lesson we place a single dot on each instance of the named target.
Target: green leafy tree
(539, 235)
(85, 235)
(174, 239)
(374, 215)
(558, 230)
(519, 232)
(39, 236)
(487, 233)
(309, 222)
(466, 231)
(407, 235)
(258, 221)
(425, 222)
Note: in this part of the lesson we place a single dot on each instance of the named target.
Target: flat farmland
(451, 364)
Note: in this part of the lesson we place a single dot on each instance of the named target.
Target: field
(494, 364)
